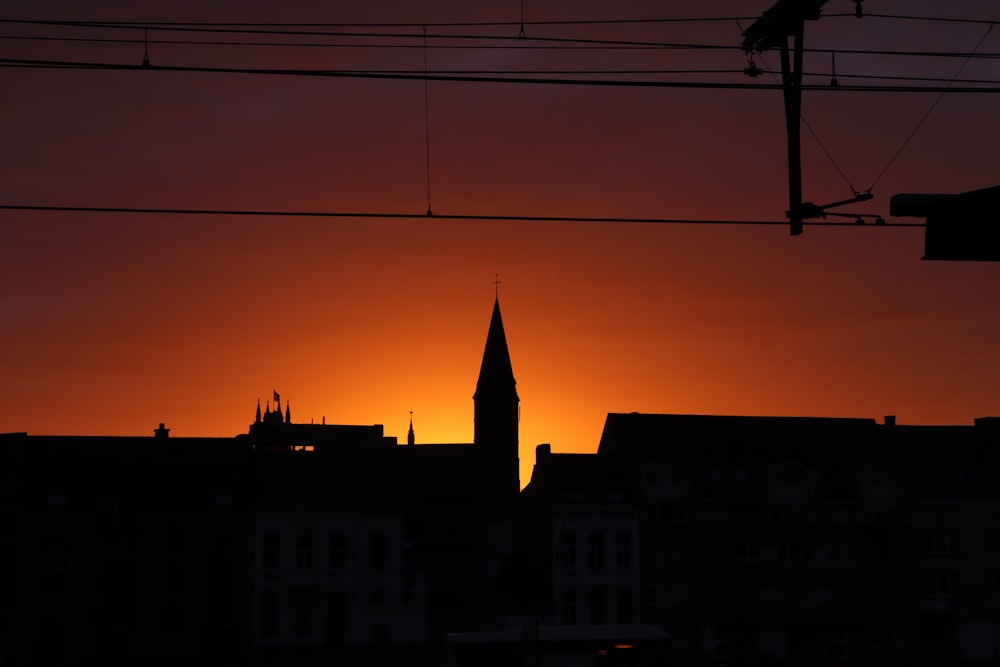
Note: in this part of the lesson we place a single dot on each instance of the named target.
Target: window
(667, 595)
(271, 552)
(338, 551)
(665, 512)
(796, 554)
(596, 551)
(790, 513)
(304, 552)
(302, 612)
(568, 612)
(623, 551)
(54, 556)
(177, 535)
(108, 506)
(744, 513)
(680, 635)
(880, 514)
(941, 540)
(176, 580)
(223, 577)
(887, 555)
(626, 602)
(269, 613)
(877, 636)
(567, 551)
(53, 603)
(721, 641)
(595, 606)
(941, 583)
(173, 613)
(114, 553)
(377, 554)
(746, 594)
(381, 634)
(841, 554)
(223, 553)
(843, 640)
(844, 596)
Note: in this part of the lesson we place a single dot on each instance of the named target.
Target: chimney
(890, 420)
(161, 433)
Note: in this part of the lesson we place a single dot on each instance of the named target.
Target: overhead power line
(469, 24)
(937, 19)
(353, 74)
(415, 40)
(222, 25)
(422, 216)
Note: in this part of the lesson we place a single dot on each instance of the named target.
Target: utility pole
(783, 26)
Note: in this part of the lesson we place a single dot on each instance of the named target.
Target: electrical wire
(588, 72)
(940, 19)
(819, 141)
(928, 113)
(77, 65)
(472, 24)
(577, 42)
(422, 216)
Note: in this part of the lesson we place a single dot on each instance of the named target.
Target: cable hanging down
(427, 128)
(930, 109)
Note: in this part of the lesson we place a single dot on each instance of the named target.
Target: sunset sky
(111, 323)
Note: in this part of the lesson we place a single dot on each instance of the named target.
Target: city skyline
(114, 323)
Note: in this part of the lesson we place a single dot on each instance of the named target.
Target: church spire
(258, 411)
(496, 374)
(496, 414)
(411, 438)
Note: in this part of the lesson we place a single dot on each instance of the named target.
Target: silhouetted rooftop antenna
(783, 26)
(427, 128)
(145, 43)
(520, 35)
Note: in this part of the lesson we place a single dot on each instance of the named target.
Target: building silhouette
(683, 540)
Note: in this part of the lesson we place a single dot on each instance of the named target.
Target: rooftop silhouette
(688, 538)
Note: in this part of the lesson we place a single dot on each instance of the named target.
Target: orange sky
(110, 324)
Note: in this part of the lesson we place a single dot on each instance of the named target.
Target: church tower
(496, 414)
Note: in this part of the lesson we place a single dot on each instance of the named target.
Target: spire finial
(496, 285)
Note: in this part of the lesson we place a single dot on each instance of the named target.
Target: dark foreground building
(684, 540)
(770, 540)
(290, 544)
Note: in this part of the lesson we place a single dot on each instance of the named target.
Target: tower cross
(496, 285)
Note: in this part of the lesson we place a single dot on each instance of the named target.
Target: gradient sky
(110, 323)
